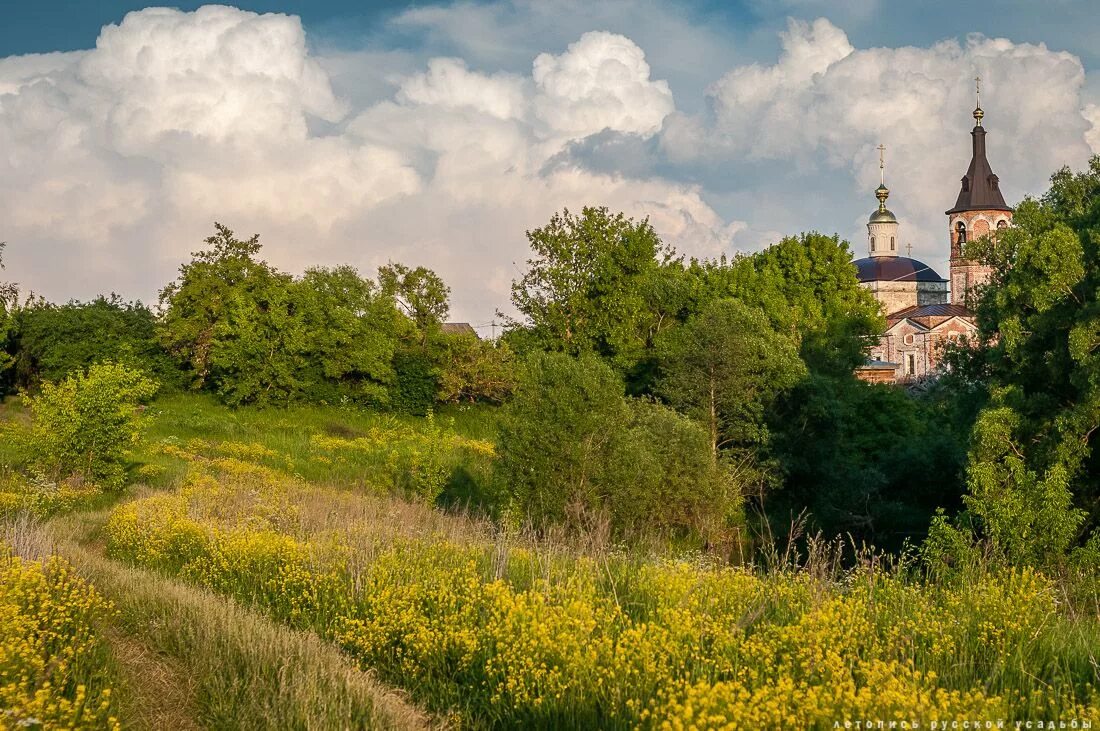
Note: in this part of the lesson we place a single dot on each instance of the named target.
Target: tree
(808, 288)
(1033, 466)
(195, 305)
(50, 341)
(419, 292)
(84, 424)
(575, 451)
(724, 368)
(859, 457)
(587, 288)
(352, 331)
(259, 349)
(9, 303)
(472, 369)
(254, 334)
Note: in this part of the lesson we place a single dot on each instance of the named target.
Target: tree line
(644, 392)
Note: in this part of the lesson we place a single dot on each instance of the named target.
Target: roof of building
(459, 328)
(980, 188)
(895, 269)
(883, 215)
(930, 316)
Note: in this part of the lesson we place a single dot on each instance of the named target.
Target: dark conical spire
(981, 190)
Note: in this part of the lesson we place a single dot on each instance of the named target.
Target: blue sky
(438, 132)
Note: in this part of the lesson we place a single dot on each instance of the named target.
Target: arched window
(960, 227)
(872, 243)
(891, 243)
(1002, 224)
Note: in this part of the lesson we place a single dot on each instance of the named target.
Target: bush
(417, 383)
(574, 450)
(474, 370)
(83, 425)
(51, 341)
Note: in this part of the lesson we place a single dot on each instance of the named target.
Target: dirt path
(157, 692)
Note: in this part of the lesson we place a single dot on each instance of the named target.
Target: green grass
(198, 423)
(188, 416)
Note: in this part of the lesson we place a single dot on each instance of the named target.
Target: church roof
(980, 187)
(930, 316)
(883, 215)
(894, 269)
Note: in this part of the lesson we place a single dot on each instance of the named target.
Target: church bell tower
(979, 210)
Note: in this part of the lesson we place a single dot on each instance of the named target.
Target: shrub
(474, 370)
(417, 383)
(83, 425)
(574, 449)
(51, 341)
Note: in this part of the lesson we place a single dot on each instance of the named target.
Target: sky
(438, 133)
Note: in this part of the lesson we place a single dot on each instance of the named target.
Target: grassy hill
(294, 569)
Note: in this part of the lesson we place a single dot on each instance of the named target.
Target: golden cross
(978, 89)
(909, 249)
(881, 164)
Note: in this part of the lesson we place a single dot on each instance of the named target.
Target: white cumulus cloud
(601, 82)
(824, 106)
(118, 159)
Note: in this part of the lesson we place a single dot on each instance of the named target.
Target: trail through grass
(189, 658)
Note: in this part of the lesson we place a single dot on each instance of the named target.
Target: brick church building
(923, 310)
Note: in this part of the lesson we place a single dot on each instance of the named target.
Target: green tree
(259, 351)
(50, 341)
(420, 293)
(724, 368)
(352, 331)
(859, 457)
(574, 450)
(808, 288)
(589, 286)
(253, 334)
(9, 302)
(472, 369)
(197, 304)
(1032, 466)
(85, 424)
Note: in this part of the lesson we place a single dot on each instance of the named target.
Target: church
(923, 310)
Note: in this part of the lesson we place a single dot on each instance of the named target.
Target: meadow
(293, 568)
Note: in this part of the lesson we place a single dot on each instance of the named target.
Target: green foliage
(419, 292)
(472, 369)
(85, 424)
(417, 383)
(859, 457)
(51, 341)
(590, 286)
(352, 333)
(1032, 466)
(673, 484)
(9, 303)
(199, 302)
(573, 450)
(807, 286)
(253, 334)
(724, 368)
(1028, 516)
